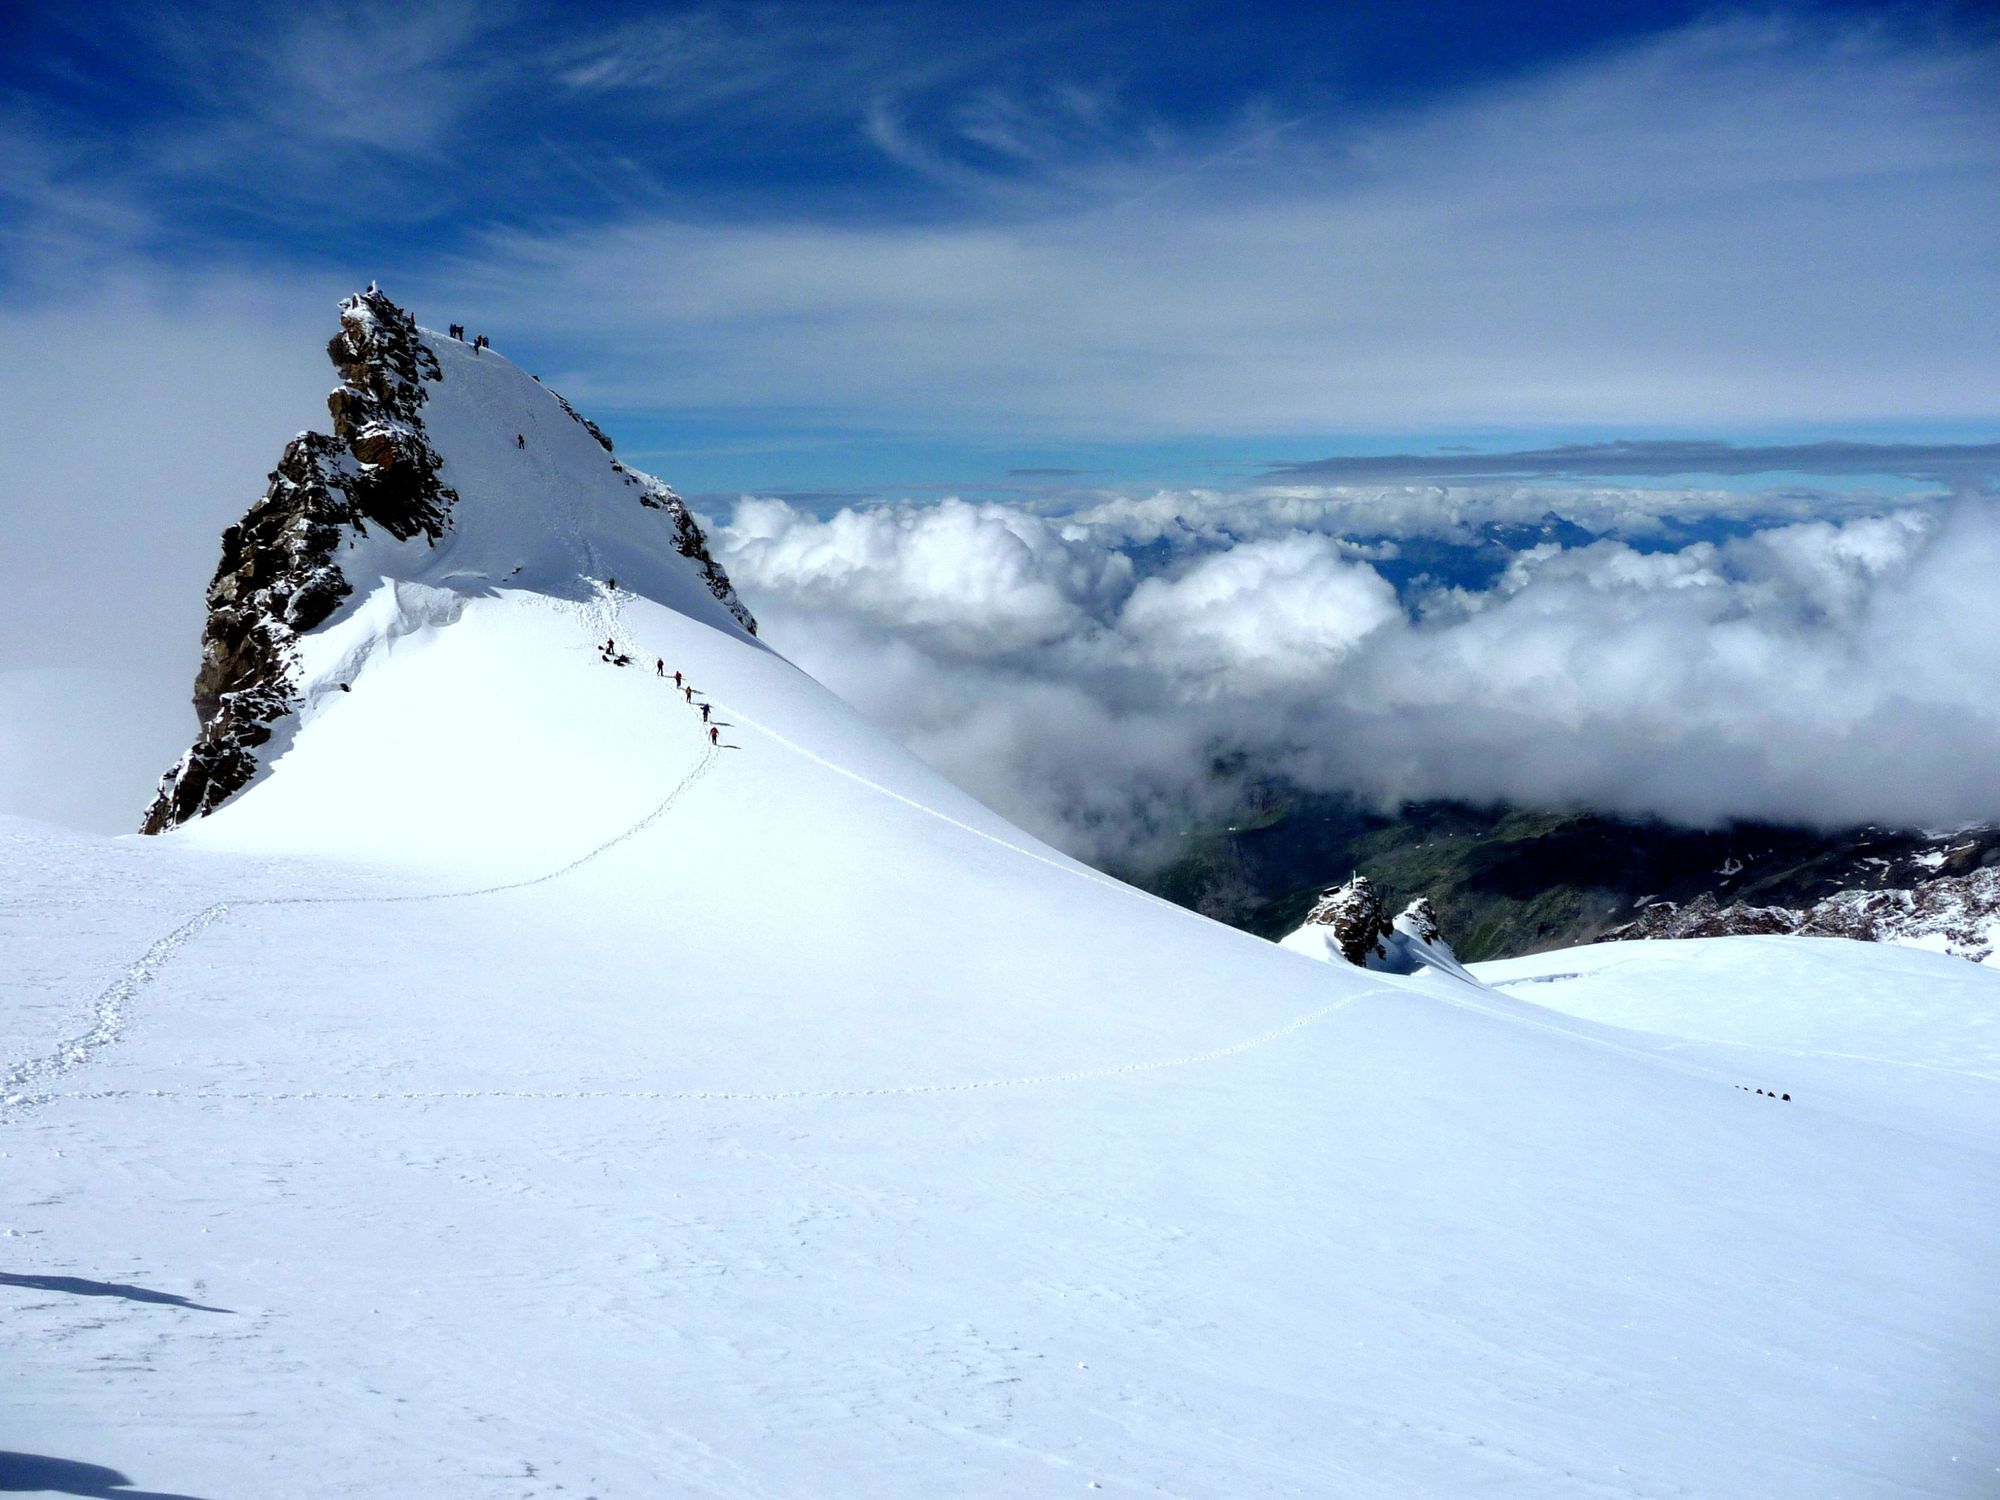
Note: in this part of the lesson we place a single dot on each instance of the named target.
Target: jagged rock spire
(277, 578)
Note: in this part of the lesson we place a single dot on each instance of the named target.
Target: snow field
(556, 1107)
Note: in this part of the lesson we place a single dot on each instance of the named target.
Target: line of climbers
(457, 331)
(610, 655)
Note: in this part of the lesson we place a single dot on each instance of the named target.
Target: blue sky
(849, 249)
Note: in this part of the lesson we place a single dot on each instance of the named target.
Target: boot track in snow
(108, 1011)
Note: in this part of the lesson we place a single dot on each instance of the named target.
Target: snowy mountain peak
(448, 468)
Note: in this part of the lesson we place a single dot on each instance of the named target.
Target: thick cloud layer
(1107, 676)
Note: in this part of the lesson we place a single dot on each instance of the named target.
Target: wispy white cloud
(766, 61)
(1739, 223)
(187, 128)
(361, 75)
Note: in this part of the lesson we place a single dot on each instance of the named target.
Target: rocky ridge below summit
(1507, 881)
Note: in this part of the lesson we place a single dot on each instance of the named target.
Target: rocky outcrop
(1351, 922)
(277, 578)
(693, 545)
(1359, 920)
(1704, 917)
(1420, 920)
(1958, 914)
(589, 426)
(384, 365)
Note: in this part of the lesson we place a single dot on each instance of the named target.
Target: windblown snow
(513, 1093)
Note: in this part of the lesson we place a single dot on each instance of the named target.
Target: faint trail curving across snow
(601, 615)
(108, 1010)
(727, 1096)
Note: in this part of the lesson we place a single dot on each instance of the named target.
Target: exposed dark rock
(1704, 917)
(691, 544)
(1420, 920)
(1358, 917)
(1360, 930)
(277, 578)
(575, 415)
(383, 365)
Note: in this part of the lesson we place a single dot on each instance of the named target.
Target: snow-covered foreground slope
(513, 1095)
(822, 1135)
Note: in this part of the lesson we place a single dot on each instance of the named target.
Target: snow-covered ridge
(448, 469)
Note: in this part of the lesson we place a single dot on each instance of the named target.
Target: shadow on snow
(77, 1286)
(25, 1473)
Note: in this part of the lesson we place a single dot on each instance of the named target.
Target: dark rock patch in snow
(1358, 917)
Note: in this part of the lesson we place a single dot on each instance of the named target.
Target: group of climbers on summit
(610, 655)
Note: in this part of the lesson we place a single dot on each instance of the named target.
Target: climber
(704, 713)
(714, 735)
(457, 331)
(520, 441)
(659, 666)
(609, 645)
(677, 679)
(689, 690)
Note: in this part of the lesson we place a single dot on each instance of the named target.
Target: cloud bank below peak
(1110, 694)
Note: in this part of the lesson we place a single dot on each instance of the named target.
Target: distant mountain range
(1507, 881)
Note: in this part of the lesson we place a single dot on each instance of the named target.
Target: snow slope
(1897, 1034)
(513, 1095)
